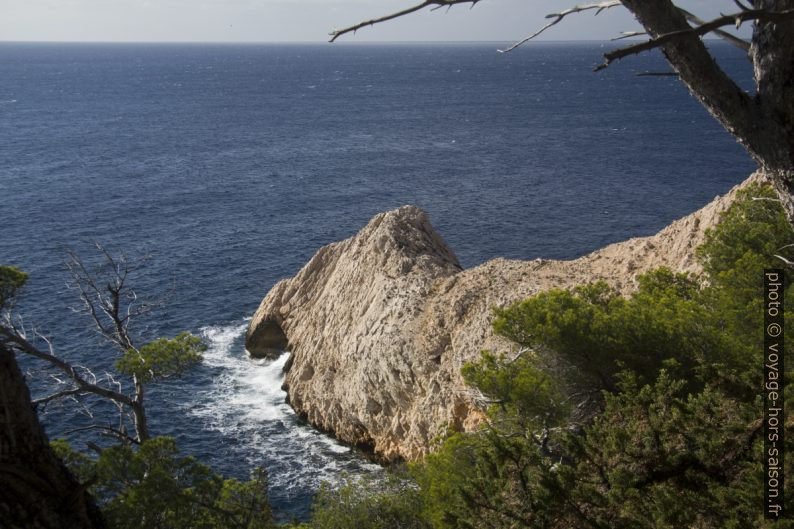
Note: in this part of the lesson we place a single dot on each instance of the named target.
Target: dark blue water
(232, 165)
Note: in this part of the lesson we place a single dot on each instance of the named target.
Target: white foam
(245, 403)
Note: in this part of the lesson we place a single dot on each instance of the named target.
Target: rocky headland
(379, 325)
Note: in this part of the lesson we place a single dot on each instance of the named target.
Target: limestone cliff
(379, 325)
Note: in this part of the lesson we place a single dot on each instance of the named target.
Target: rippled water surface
(231, 165)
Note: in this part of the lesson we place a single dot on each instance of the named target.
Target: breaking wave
(245, 403)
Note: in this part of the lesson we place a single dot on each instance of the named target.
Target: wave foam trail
(245, 403)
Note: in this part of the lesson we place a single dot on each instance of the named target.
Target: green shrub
(370, 504)
(152, 486)
(674, 438)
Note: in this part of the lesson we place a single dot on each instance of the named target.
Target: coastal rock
(379, 325)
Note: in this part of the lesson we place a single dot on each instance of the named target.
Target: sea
(222, 169)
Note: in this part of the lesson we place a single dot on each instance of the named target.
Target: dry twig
(558, 17)
(433, 4)
(709, 27)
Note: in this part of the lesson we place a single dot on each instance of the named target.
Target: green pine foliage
(12, 279)
(369, 504)
(162, 358)
(613, 412)
(146, 484)
(153, 486)
(593, 333)
(675, 439)
(660, 456)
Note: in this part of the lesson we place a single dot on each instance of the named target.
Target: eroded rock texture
(380, 324)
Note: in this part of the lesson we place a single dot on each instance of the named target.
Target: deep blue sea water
(231, 165)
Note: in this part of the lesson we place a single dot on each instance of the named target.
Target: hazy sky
(302, 20)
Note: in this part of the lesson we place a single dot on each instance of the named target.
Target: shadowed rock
(267, 340)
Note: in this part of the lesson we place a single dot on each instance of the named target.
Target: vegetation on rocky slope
(610, 412)
(643, 411)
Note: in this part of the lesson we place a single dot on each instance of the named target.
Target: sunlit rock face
(379, 325)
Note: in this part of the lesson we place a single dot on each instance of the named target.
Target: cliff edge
(379, 325)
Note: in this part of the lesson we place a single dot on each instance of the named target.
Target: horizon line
(320, 42)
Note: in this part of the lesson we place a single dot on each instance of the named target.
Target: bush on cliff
(140, 483)
(615, 412)
(638, 412)
(393, 503)
(153, 486)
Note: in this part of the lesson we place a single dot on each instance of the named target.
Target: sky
(305, 20)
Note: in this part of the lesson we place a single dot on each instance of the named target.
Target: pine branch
(21, 344)
(58, 395)
(433, 4)
(709, 27)
(733, 39)
(107, 430)
(558, 17)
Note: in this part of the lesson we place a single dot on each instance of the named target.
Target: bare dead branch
(709, 27)
(521, 352)
(657, 74)
(629, 34)
(60, 394)
(94, 447)
(84, 282)
(105, 303)
(733, 39)
(18, 342)
(787, 262)
(433, 4)
(110, 306)
(107, 298)
(107, 430)
(558, 17)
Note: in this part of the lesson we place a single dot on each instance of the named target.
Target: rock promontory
(379, 325)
